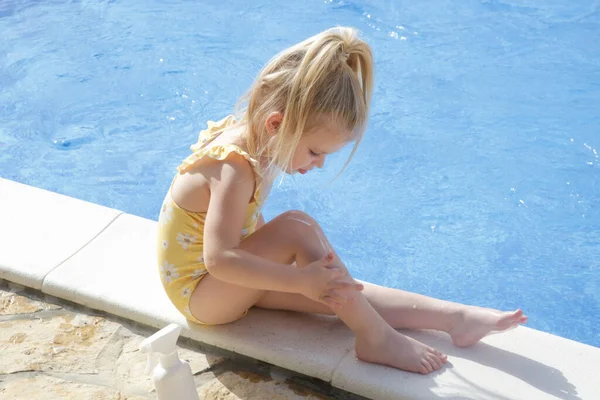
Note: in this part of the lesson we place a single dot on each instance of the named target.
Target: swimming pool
(478, 179)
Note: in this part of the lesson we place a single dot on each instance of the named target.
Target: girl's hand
(326, 283)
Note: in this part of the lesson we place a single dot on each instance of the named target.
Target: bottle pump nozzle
(172, 378)
(163, 342)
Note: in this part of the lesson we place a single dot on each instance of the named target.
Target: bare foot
(477, 322)
(399, 351)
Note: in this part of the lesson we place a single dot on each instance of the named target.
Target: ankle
(457, 317)
(375, 333)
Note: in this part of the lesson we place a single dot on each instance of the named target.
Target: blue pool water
(478, 180)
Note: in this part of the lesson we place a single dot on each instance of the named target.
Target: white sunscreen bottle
(172, 377)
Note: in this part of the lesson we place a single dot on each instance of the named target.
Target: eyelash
(313, 153)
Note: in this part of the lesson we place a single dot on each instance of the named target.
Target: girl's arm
(231, 188)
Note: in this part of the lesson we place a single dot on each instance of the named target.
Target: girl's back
(183, 214)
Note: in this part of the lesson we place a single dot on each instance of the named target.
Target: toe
(509, 320)
(435, 362)
(518, 316)
(442, 357)
(427, 365)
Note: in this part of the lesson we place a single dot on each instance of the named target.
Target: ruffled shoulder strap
(212, 130)
(204, 148)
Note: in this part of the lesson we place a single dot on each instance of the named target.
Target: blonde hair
(329, 73)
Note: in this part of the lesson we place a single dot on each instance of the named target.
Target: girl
(218, 257)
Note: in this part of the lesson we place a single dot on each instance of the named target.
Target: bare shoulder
(192, 189)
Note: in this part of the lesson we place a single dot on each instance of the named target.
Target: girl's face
(314, 146)
(324, 138)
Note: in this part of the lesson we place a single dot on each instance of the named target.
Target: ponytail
(329, 73)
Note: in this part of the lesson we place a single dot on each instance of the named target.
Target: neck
(264, 159)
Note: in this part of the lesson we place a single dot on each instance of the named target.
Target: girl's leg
(400, 309)
(466, 325)
(294, 236)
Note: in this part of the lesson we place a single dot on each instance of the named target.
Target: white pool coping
(105, 259)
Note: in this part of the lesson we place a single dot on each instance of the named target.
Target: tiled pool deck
(104, 259)
(53, 349)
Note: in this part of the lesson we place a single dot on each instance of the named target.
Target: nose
(321, 161)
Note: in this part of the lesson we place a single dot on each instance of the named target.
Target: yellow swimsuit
(180, 232)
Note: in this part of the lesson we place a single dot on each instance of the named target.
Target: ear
(273, 122)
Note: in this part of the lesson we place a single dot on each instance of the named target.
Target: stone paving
(51, 349)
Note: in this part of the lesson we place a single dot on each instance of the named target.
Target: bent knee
(300, 217)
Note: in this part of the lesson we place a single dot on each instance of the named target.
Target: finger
(327, 258)
(347, 286)
(355, 285)
(348, 283)
(337, 273)
(328, 300)
(336, 266)
(349, 280)
(340, 284)
(343, 299)
(337, 296)
(333, 267)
